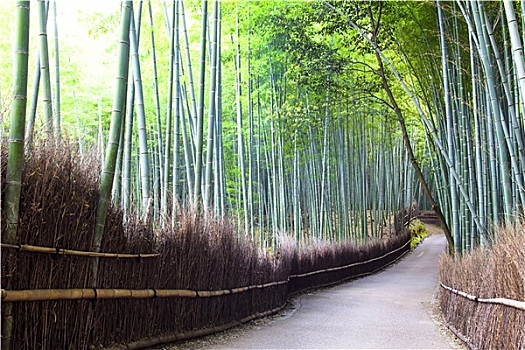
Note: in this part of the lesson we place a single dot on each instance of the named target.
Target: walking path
(394, 309)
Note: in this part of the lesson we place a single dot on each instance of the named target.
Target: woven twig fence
(337, 268)
(93, 294)
(98, 293)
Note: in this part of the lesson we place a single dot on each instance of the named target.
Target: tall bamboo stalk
(57, 118)
(141, 118)
(119, 99)
(44, 69)
(212, 105)
(15, 159)
(199, 142)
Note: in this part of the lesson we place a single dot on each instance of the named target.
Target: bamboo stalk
(95, 293)
(92, 294)
(62, 251)
(15, 161)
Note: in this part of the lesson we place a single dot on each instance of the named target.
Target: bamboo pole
(15, 161)
(62, 251)
(44, 70)
(95, 293)
(516, 304)
(91, 294)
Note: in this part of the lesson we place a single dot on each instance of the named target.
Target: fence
(194, 312)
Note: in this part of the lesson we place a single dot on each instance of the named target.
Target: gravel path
(394, 309)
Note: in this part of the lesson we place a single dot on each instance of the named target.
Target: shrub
(418, 232)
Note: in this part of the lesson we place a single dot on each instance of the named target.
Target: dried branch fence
(482, 294)
(277, 293)
(195, 278)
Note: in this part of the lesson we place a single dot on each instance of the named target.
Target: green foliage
(418, 232)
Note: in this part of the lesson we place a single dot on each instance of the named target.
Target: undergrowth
(418, 232)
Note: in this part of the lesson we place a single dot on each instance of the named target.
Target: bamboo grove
(285, 116)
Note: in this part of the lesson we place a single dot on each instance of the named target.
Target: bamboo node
(56, 254)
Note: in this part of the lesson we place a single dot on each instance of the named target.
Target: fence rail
(62, 251)
(520, 305)
(99, 293)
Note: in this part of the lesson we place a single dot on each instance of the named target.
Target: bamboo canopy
(62, 251)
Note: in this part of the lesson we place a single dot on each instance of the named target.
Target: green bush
(418, 232)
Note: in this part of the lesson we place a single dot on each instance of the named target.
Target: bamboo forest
(173, 169)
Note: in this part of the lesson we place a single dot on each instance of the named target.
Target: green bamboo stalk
(517, 46)
(188, 155)
(169, 120)
(455, 231)
(141, 118)
(34, 99)
(192, 117)
(114, 133)
(44, 69)
(15, 158)
(212, 107)
(160, 139)
(251, 142)
(200, 110)
(57, 118)
(324, 165)
(33, 107)
(176, 118)
(240, 136)
(503, 152)
(128, 111)
(221, 203)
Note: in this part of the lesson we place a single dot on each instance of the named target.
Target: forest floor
(394, 309)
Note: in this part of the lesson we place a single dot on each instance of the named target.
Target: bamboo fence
(97, 293)
(520, 305)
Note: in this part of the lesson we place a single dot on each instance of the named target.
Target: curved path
(394, 309)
